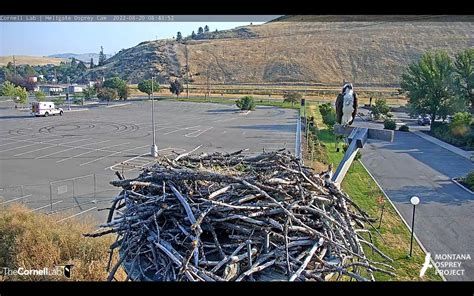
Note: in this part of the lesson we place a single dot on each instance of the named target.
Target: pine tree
(91, 64)
(206, 28)
(193, 35)
(179, 37)
(200, 31)
(102, 56)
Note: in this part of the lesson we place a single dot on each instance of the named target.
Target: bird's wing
(354, 105)
(339, 102)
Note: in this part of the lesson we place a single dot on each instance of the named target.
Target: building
(51, 90)
(75, 89)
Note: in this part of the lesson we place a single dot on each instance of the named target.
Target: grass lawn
(268, 102)
(395, 236)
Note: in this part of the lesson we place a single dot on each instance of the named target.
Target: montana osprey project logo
(426, 265)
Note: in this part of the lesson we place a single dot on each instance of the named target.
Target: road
(444, 219)
(96, 142)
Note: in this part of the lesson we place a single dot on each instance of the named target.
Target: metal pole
(68, 96)
(154, 149)
(51, 196)
(412, 230)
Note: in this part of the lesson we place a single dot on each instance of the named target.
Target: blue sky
(46, 38)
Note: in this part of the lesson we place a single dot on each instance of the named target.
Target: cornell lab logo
(66, 269)
(426, 265)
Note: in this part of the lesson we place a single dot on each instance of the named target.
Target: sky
(47, 38)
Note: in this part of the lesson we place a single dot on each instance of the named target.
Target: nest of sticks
(227, 217)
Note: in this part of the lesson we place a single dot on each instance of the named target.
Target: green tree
(119, 85)
(81, 67)
(21, 95)
(179, 36)
(206, 28)
(200, 31)
(89, 93)
(292, 97)
(40, 96)
(246, 103)
(7, 89)
(193, 35)
(176, 87)
(102, 56)
(428, 84)
(145, 87)
(464, 76)
(107, 94)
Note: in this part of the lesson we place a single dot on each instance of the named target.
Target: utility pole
(208, 84)
(187, 71)
(154, 149)
(14, 64)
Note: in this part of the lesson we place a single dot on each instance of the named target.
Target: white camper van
(45, 109)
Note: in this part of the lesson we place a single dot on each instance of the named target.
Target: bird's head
(346, 88)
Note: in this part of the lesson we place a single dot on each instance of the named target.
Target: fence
(76, 193)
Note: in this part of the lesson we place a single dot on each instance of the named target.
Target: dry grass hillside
(298, 49)
(30, 60)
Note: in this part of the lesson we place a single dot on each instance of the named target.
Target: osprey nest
(227, 217)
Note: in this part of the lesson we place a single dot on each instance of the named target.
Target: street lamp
(154, 149)
(68, 97)
(414, 201)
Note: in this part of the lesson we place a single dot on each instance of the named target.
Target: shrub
(469, 180)
(404, 128)
(389, 124)
(329, 119)
(380, 108)
(460, 125)
(325, 108)
(246, 103)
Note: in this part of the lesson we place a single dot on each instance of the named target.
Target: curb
(406, 224)
(467, 154)
(462, 186)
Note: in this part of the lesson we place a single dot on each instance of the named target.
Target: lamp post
(414, 201)
(154, 149)
(68, 97)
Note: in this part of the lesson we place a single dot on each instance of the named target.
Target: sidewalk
(459, 151)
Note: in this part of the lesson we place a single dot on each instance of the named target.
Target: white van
(45, 109)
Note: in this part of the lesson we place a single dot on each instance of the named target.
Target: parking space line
(199, 132)
(52, 145)
(80, 213)
(17, 198)
(77, 147)
(46, 143)
(180, 129)
(112, 155)
(46, 206)
(84, 153)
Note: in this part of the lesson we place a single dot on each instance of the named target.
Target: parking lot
(62, 165)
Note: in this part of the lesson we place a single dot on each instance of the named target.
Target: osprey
(346, 105)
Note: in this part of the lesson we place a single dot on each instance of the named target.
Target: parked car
(45, 109)
(424, 120)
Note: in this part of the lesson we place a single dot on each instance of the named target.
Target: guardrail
(298, 137)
